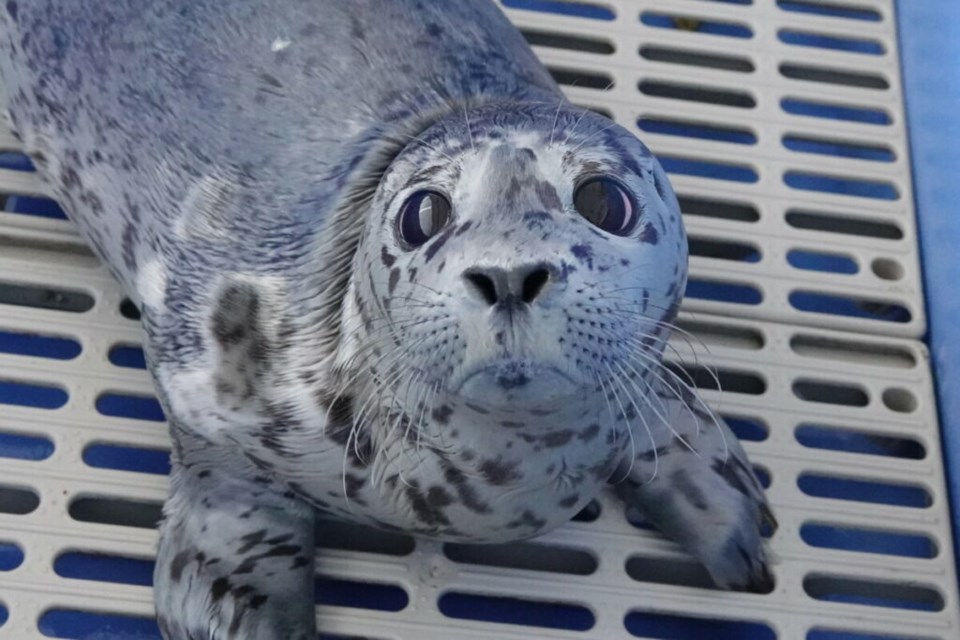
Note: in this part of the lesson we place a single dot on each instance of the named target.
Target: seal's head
(517, 259)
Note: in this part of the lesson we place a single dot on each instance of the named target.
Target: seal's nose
(492, 285)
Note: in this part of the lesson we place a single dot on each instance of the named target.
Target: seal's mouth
(516, 382)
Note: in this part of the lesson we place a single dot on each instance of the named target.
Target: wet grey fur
(239, 164)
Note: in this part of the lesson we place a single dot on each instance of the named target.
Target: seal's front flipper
(235, 558)
(704, 496)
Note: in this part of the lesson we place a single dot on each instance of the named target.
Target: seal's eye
(606, 204)
(422, 216)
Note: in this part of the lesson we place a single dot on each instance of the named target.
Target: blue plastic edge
(929, 49)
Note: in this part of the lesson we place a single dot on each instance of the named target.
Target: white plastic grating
(735, 69)
(843, 425)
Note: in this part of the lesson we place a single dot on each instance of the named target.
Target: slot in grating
(740, 97)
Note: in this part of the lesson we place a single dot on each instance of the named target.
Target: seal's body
(386, 271)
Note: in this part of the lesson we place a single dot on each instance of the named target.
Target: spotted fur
(240, 165)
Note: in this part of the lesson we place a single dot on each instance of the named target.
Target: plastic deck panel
(782, 127)
(930, 33)
(844, 426)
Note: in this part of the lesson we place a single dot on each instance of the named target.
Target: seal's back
(223, 131)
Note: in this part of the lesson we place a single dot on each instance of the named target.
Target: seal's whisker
(575, 125)
(422, 405)
(650, 367)
(655, 366)
(613, 417)
(659, 412)
(466, 119)
(633, 445)
(640, 349)
(553, 127)
(691, 390)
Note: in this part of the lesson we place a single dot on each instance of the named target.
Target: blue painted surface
(895, 544)
(929, 31)
(515, 611)
(104, 568)
(130, 357)
(22, 447)
(82, 625)
(929, 50)
(830, 111)
(728, 29)
(126, 406)
(124, 458)
(28, 344)
(672, 627)
(31, 395)
(360, 595)
(11, 556)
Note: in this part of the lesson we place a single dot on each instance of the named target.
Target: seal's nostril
(533, 284)
(484, 286)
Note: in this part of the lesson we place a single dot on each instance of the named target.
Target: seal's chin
(515, 384)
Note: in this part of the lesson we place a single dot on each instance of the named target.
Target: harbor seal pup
(386, 271)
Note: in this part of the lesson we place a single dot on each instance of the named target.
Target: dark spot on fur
(427, 513)
(439, 497)
(387, 258)
(283, 550)
(442, 414)
(569, 501)
(286, 537)
(465, 491)
(583, 253)
(589, 433)
(353, 485)
(219, 588)
(394, 279)
(242, 590)
(435, 245)
(180, 561)
(251, 540)
(650, 235)
(730, 475)
(464, 227)
(557, 438)
(498, 473)
(527, 519)
(236, 314)
(476, 408)
(548, 195)
(537, 220)
(653, 454)
(270, 80)
(129, 242)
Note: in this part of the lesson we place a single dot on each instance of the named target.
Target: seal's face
(527, 264)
